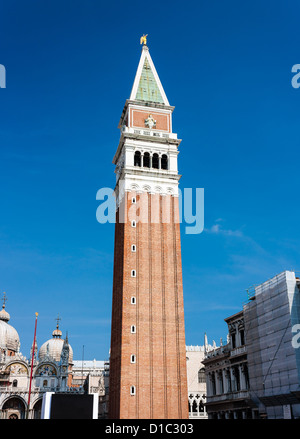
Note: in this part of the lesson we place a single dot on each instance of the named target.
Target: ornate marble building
(196, 381)
(227, 380)
(94, 376)
(257, 373)
(52, 371)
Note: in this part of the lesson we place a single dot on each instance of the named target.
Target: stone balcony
(19, 389)
(148, 132)
(201, 415)
(238, 351)
(240, 394)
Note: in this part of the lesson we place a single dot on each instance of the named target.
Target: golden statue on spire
(143, 39)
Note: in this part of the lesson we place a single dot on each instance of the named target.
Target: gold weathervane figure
(143, 39)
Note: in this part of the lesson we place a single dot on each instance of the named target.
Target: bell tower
(148, 356)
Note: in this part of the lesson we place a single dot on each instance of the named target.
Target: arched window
(17, 405)
(201, 407)
(164, 161)
(194, 407)
(201, 375)
(146, 161)
(155, 161)
(15, 383)
(137, 158)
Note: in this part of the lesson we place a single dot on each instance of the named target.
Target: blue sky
(226, 66)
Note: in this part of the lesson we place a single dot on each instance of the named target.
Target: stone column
(225, 381)
(208, 384)
(221, 381)
(228, 380)
(217, 381)
(233, 381)
(204, 411)
(245, 374)
(242, 378)
(237, 337)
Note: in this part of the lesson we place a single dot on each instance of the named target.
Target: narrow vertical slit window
(132, 390)
(133, 329)
(133, 273)
(133, 248)
(132, 359)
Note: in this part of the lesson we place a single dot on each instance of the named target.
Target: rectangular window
(132, 359)
(133, 300)
(242, 335)
(132, 390)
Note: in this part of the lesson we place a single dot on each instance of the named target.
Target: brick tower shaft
(148, 355)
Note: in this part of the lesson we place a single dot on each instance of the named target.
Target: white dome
(52, 348)
(9, 338)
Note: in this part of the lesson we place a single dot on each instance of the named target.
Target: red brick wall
(159, 373)
(163, 120)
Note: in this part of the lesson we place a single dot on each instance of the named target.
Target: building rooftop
(89, 364)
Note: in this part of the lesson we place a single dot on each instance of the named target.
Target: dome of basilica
(9, 338)
(53, 347)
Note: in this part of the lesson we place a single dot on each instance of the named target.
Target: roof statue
(143, 39)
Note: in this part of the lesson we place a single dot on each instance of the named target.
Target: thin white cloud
(218, 229)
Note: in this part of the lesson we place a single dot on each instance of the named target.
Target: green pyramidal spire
(148, 89)
(147, 86)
